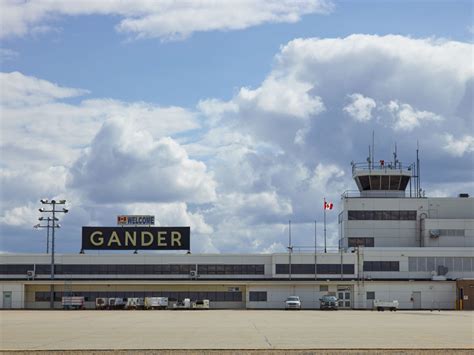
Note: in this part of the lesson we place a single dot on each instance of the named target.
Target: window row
(307, 269)
(218, 296)
(131, 269)
(428, 264)
(448, 232)
(384, 182)
(258, 296)
(381, 266)
(233, 269)
(382, 215)
(361, 242)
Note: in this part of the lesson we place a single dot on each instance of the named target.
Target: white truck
(200, 304)
(184, 304)
(156, 302)
(383, 305)
(73, 302)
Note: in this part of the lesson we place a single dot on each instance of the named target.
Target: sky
(229, 117)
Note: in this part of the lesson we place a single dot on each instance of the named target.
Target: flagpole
(325, 249)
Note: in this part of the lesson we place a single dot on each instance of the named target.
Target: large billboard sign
(135, 220)
(136, 238)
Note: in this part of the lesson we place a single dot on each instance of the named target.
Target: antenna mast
(373, 148)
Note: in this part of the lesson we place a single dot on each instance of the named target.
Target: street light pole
(47, 226)
(53, 203)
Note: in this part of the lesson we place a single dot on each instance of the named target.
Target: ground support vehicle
(101, 303)
(156, 302)
(135, 303)
(73, 302)
(328, 302)
(383, 305)
(184, 304)
(117, 303)
(293, 302)
(200, 304)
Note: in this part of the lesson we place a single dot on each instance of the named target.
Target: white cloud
(360, 109)
(458, 146)
(159, 19)
(269, 153)
(38, 122)
(21, 90)
(22, 216)
(126, 164)
(407, 118)
(172, 214)
(282, 97)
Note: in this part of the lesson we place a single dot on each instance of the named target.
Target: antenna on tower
(373, 148)
(395, 160)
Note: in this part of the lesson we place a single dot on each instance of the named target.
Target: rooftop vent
(464, 195)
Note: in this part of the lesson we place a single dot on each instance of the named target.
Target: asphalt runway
(235, 329)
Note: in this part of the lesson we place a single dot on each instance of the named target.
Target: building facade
(394, 245)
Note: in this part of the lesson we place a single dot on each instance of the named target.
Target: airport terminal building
(394, 245)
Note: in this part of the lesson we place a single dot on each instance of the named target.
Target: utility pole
(53, 210)
(315, 251)
(325, 248)
(290, 249)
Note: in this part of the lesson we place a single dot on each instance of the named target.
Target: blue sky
(260, 108)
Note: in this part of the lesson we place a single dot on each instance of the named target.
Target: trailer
(73, 302)
(383, 305)
(156, 302)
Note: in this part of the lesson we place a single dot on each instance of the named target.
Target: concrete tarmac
(235, 329)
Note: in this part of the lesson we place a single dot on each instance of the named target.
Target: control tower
(386, 178)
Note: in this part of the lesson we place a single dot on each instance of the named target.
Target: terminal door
(344, 296)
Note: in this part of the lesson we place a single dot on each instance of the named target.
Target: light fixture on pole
(47, 226)
(53, 227)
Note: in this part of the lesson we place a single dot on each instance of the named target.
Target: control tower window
(395, 182)
(385, 183)
(360, 242)
(381, 215)
(375, 182)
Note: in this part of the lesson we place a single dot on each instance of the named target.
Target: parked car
(293, 302)
(328, 302)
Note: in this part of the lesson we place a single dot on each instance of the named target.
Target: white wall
(434, 294)
(18, 294)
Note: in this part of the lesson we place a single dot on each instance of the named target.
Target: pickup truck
(383, 305)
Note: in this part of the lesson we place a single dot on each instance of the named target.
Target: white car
(293, 302)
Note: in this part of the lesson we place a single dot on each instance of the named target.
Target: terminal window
(429, 264)
(303, 269)
(381, 266)
(133, 269)
(258, 296)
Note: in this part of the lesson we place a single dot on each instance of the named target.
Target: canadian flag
(328, 205)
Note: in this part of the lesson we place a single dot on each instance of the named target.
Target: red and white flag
(328, 205)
